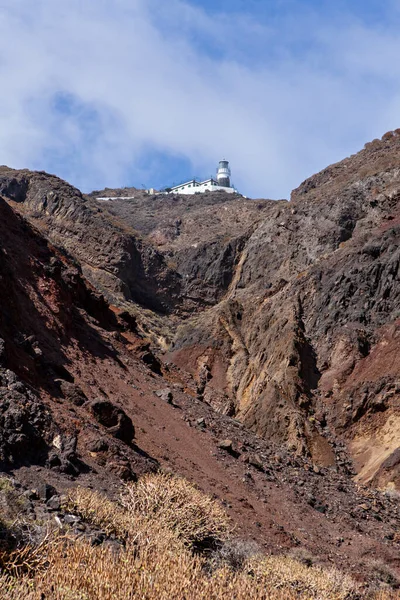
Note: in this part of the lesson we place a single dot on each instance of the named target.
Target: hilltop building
(194, 186)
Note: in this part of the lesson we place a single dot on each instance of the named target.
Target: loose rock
(165, 394)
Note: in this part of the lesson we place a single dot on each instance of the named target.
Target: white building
(222, 182)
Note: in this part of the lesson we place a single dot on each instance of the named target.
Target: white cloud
(89, 87)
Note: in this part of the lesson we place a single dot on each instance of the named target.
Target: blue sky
(150, 92)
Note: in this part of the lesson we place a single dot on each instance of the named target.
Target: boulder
(45, 491)
(114, 419)
(165, 394)
(98, 445)
(54, 503)
(229, 447)
(256, 462)
(72, 392)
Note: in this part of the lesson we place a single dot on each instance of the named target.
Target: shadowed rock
(114, 419)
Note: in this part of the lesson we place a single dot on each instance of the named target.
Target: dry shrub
(303, 556)
(29, 558)
(16, 589)
(279, 572)
(386, 595)
(171, 502)
(392, 493)
(99, 511)
(155, 570)
(382, 573)
(24, 546)
(152, 568)
(234, 554)
(81, 572)
(178, 506)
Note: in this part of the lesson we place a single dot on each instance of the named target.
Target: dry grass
(160, 519)
(156, 570)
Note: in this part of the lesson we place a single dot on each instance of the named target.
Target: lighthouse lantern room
(224, 174)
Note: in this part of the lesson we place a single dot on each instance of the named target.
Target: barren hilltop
(249, 346)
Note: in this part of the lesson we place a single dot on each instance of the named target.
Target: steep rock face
(111, 256)
(314, 306)
(170, 255)
(201, 236)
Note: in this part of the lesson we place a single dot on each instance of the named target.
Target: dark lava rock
(151, 360)
(98, 539)
(64, 457)
(99, 445)
(114, 419)
(71, 519)
(45, 491)
(25, 424)
(229, 447)
(54, 503)
(72, 393)
(256, 462)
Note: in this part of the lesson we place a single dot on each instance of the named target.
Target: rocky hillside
(54, 329)
(249, 345)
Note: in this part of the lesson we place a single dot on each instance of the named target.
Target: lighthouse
(224, 174)
(195, 186)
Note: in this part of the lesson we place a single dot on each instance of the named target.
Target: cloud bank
(117, 92)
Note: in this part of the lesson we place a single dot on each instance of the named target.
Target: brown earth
(273, 325)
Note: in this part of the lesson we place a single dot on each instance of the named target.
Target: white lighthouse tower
(224, 174)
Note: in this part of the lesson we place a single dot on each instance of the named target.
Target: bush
(234, 554)
(99, 511)
(14, 589)
(279, 572)
(393, 494)
(178, 506)
(302, 555)
(382, 573)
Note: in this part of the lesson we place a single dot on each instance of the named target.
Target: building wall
(201, 188)
(193, 187)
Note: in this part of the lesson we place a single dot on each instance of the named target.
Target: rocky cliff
(285, 314)
(250, 345)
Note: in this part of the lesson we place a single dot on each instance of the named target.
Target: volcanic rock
(114, 419)
(283, 315)
(165, 394)
(229, 447)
